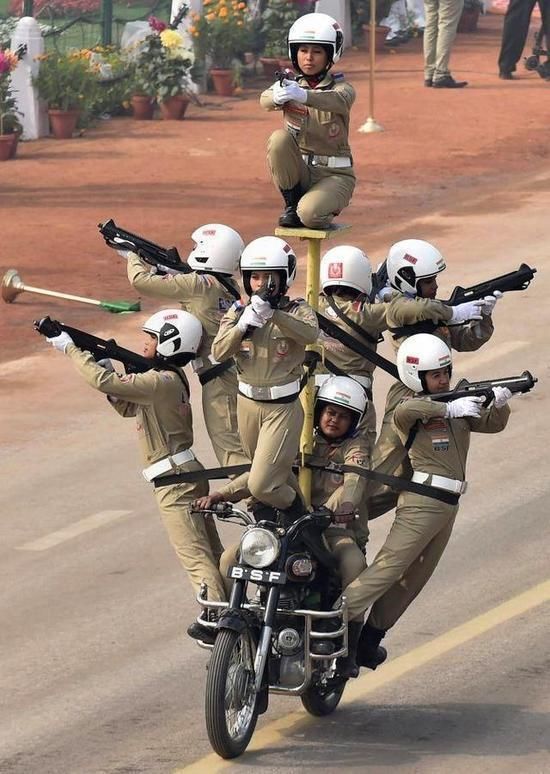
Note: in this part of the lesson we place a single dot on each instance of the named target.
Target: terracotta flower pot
(173, 108)
(15, 140)
(63, 123)
(271, 66)
(223, 82)
(6, 143)
(380, 35)
(468, 21)
(143, 107)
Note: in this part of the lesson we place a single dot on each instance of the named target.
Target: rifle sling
(351, 323)
(399, 484)
(215, 371)
(332, 330)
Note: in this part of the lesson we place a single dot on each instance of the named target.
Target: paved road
(97, 675)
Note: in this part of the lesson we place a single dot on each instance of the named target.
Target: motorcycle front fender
(238, 620)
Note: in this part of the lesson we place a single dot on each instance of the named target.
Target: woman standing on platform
(310, 160)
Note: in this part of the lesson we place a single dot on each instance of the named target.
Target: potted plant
(470, 15)
(221, 35)
(361, 15)
(10, 127)
(277, 19)
(68, 83)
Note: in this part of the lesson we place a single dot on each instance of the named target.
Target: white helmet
(411, 260)
(269, 253)
(177, 333)
(342, 391)
(347, 267)
(217, 249)
(320, 29)
(419, 353)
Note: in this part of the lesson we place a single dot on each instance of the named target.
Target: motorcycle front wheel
(320, 700)
(231, 701)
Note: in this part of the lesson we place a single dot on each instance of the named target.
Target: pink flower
(157, 24)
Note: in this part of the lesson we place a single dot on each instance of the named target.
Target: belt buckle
(322, 161)
(260, 393)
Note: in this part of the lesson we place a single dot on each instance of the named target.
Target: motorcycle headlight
(259, 547)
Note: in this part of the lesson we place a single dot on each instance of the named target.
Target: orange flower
(241, 6)
(222, 13)
(210, 16)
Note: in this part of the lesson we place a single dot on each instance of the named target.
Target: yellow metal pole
(308, 393)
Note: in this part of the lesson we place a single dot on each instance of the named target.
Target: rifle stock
(98, 348)
(514, 280)
(154, 254)
(465, 389)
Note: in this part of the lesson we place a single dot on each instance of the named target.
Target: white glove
(125, 253)
(469, 310)
(249, 317)
(106, 364)
(290, 91)
(60, 342)
(465, 407)
(262, 308)
(502, 396)
(490, 302)
(385, 293)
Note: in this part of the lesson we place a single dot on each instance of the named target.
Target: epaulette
(338, 77)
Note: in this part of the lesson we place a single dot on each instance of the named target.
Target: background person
(515, 31)
(442, 17)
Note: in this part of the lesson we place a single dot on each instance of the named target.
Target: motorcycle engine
(291, 670)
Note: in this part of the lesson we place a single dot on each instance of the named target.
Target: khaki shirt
(200, 294)
(321, 126)
(441, 445)
(274, 354)
(157, 399)
(404, 310)
(370, 317)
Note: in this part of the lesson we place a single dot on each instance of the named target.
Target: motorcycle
(285, 639)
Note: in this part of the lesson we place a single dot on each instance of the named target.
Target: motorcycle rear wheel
(320, 700)
(231, 702)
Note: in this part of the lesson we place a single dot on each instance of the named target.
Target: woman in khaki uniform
(438, 452)
(310, 160)
(159, 400)
(268, 338)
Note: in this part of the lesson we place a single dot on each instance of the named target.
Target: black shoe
(261, 511)
(347, 667)
(428, 82)
(292, 196)
(370, 653)
(506, 76)
(204, 633)
(448, 82)
(295, 511)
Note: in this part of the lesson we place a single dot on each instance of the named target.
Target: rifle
(154, 254)
(98, 348)
(266, 293)
(466, 389)
(287, 74)
(379, 281)
(514, 280)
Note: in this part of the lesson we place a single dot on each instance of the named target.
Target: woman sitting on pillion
(310, 160)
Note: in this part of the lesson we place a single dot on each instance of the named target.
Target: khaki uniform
(422, 525)
(331, 490)
(160, 403)
(442, 17)
(207, 299)
(269, 429)
(370, 317)
(388, 455)
(319, 127)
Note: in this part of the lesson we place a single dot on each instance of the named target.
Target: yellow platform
(311, 233)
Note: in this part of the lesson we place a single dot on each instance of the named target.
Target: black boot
(292, 196)
(346, 667)
(369, 652)
(204, 633)
(294, 512)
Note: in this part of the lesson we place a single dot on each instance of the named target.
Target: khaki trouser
(351, 560)
(442, 17)
(381, 499)
(418, 521)
(193, 536)
(391, 606)
(219, 405)
(270, 435)
(328, 191)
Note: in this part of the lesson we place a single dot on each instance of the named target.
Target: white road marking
(73, 530)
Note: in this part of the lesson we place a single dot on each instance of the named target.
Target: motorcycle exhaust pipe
(12, 286)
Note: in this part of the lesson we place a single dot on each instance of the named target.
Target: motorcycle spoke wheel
(231, 701)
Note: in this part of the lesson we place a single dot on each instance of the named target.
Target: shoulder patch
(338, 77)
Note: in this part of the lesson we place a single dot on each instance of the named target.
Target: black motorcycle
(285, 639)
